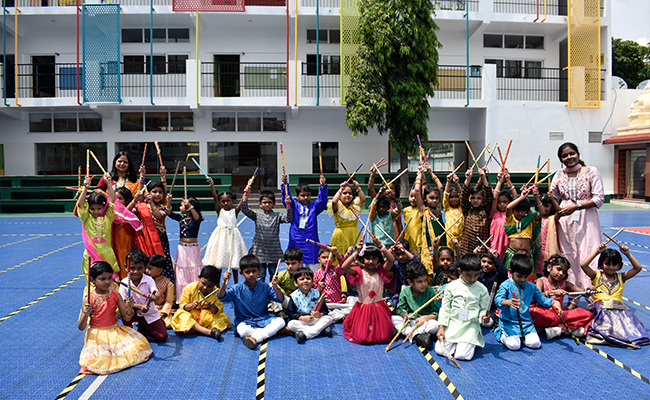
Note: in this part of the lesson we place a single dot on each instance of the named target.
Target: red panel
(623, 139)
(208, 5)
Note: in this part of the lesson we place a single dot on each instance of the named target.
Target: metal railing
(329, 80)
(47, 80)
(538, 84)
(321, 3)
(42, 3)
(169, 79)
(455, 5)
(243, 79)
(553, 7)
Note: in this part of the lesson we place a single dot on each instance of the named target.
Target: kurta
(183, 321)
(459, 295)
(304, 224)
(508, 320)
(286, 282)
(577, 239)
(413, 232)
(477, 220)
(346, 230)
(251, 303)
(266, 242)
(97, 238)
(451, 216)
(409, 302)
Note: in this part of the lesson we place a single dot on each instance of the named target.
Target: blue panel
(101, 53)
(68, 78)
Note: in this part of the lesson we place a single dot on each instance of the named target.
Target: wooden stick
(450, 226)
(471, 153)
(284, 171)
(79, 178)
(98, 163)
(206, 297)
(319, 244)
(458, 167)
(277, 267)
(409, 335)
(533, 177)
(382, 176)
(250, 181)
(565, 325)
(612, 239)
(539, 157)
(448, 355)
(354, 173)
(614, 235)
(87, 162)
(230, 262)
(320, 158)
(178, 165)
(159, 154)
(486, 241)
(319, 303)
(521, 326)
(201, 169)
(132, 288)
(493, 292)
(385, 233)
(397, 177)
(479, 156)
(401, 235)
(144, 153)
(184, 182)
(503, 162)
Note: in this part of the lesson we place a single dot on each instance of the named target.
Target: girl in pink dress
(501, 199)
(369, 322)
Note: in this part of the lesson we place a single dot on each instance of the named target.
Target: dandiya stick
(614, 235)
(493, 292)
(533, 177)
(144, 153)
(414, 313)
(521, 326)
(397, 177)
(448, 355)
(87, 162)
(354, 173)
(74, 188)
(385, 163)
(327, 267)
(159, 154)
(132, 288)
(479, 156)
(345, 169)
(565, 325)
(201, 169)
(206, 297)
(320, 158)
(320, 302)
(585, 293)
(284, 171)
(458, 167)
(491, 153)
(318, 244)
(79, 178)
(250, 181)
(184, 182)
(97, 161)
(128, 267)
(503, 161)
(230, 263)
(409, 335)
(386, 233)
(178, 165)
(446, 230)
(539, 158)
(277, 267)
(401, 235)
(612, 239)
(382, 177)
(471, 153)
(364, 225)
(485, 244)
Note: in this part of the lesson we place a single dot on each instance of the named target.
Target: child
(476, 202)
(384, 219)
(123, 234)
(304, 221)
(614, 323)
(369, 322)
(146, 317)
(547, 238)
(199, 310)
(155, 265)
(293, 261)
(327, 280)
(412, 298)
(433, 226)
(413, 229)
(403, 256)
(97, 219)
(266, 242)
(453, 210)
(104, 331)
(500, 200)
(252, 319)
(464, 303)
(345, 215)
(519, 224)
(307, 320)
(554, 285)
(226, 245)
(443, 257)
(515, 323)
(492, 271)
(188, 254)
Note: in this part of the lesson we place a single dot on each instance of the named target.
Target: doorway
(240, 159)
(226, 75)
(564, 72)
(43, 76)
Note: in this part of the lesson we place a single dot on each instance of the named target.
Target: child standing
(304, 221)
(500, 200)
(412, 297)
(413, 231)
(369, 322)
(165, 287)
(188, 254)
(464, 302)
(199, 310)
(123, 233)
(266, 242)
(308, 317)
(453, 210)
(514, 297)
(98, 312)
(614, 323)
(226, 245)
(327, 280)
(554, 286)
(384, 218)
(433, 225)
(519, 224)
(146, 317)
(344, 208)
(252, 319)
(476, 202)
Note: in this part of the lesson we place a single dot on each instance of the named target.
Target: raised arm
(362, 196)
(337, 197)
(495, 193)
(418, 191)
(434, 178)
(371, 182)
(636, 266)
(215, 195)
(585, 263)
(81, 201)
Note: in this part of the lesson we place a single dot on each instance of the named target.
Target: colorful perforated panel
(208, 5)
(349, 42)
(101, 53)
(584, 53)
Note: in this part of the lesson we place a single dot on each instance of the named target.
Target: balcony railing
(553, 7)
(329, 80)
(243, 79)
(46, 80)
(168, 79)
(42, 3)
(532, 84)
(455, 5)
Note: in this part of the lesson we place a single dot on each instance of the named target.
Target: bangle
(457, 255)
(191, 208)
(434, 253)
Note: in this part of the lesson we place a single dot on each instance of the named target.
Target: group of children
(429, 276)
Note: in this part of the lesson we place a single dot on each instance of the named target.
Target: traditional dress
(188, 255)
(432, 227)
(148, 322)
(451, 216)
(369, 322)
(516, 229)
(408, 303)
(286, 282)
(132, 186)
(164, 304)
(110, 347)
(96, 234)
(413, 232)
(546, 317)
(548, 242)
(579, 233)
(500, 240)
(477, 220)
(147, 240)
(463, 326)
(183, 321)
(614, 323)
(384, 222)
(301, 304)
(346, 230)
(338, 308)
(226, 244)
(304, 224)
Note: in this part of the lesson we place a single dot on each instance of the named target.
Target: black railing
(329, 80)
(553, 7)
(46, 80)
(453, 82)
(538, 84)
(169, 79)
(243, 79)
(455, 5)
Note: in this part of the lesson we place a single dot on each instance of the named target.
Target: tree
(630, 61)
(395, 72)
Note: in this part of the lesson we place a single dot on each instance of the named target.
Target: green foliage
(630, 61)
(395, 71)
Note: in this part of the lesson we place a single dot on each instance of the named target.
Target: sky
(630, 19)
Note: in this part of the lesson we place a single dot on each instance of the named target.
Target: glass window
(249, 122)
(131, 122)
(40, 122)
(442, 153)
(90, 122)
(495, 41)
(331, 65)
(134, 65)
(275, 122)
(330, 153)
(178, 35)
(514, 42)
(159, 65)
(499, 64)
(535, 42)
(159, 35)
(322, 35)
(170, 153)
(65, 122)
(311, 64)
(182, 121)
(533, 69)
(223, 121)
(241, 158)
(132, 35)
(335, 36)
(156, 121)
(512, 69)
(65, 158)
(176, 63)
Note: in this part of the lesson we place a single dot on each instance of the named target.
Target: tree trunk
(404, 186)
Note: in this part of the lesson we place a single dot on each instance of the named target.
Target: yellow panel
(349, 42)
(584, 53)
(451, 80)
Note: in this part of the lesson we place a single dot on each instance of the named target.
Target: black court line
(261, 372)
(443, 377)
(70, 386)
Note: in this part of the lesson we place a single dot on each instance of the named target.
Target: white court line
(242, 220)
(93, 387)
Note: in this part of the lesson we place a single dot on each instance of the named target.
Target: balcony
(243, 79)
(553, 7)
(536, 84)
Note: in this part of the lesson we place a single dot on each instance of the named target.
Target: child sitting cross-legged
(155, 266)
(307, 311)
(514, 297)
(252, 319)
(492, 272)
(327, 280)
(412, 297)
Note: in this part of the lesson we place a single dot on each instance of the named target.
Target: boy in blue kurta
(304, 224)
(513, 328)
(252, 319)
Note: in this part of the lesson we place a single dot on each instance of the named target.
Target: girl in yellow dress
(199, 310)
(343, 207)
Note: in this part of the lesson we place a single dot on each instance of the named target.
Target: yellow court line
(39, 257)
(20, 241)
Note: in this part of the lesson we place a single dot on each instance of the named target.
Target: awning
(629, 139)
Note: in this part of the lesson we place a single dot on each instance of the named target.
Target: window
(440, 155)
(40, 122)
(170, 153)
(533, 69)
(535, 42)
(222, 121)
(156, 121)
(514, 42)
(65, 122)
(162, 64)
(499, 64)
(274, 122)
(335, 36)
(517, 68)
(131, 122)
(178, 35)
(330, 153)
(512, 69)
(90, 122)
(493, 41)
(249, 121)
(176, 63)
(160, 35)
(330, 64)
(134, 65)
(331, 36)
(181, 121)
(132, 35)
(159, 65)
(65, 158)
(159, 121)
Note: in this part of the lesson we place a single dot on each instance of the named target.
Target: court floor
(40, 298)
